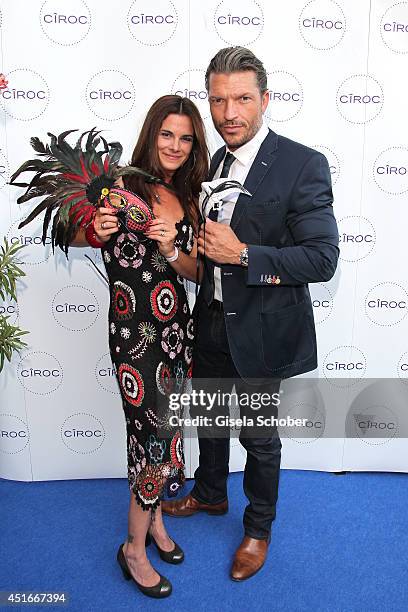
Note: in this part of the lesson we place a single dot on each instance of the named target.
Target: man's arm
(310, 220)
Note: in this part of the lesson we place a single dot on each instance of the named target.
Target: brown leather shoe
(249, 558)
(186, 506)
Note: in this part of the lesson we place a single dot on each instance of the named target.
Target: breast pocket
(265, 208)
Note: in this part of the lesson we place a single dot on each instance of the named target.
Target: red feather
(84, 171)
(87, 216)
(95, 169)
(75, 177)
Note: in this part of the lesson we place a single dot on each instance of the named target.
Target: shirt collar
(247, 152)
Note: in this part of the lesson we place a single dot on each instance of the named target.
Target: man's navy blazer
(292, 238)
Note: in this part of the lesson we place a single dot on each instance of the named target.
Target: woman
(149, 320)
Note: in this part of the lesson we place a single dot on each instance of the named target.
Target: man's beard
(251, 130)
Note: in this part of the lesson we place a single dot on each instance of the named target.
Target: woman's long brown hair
(188, 178)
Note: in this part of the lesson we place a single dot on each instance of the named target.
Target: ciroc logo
(343, 366)
(386, 304)
(28, 96)
(110, 95)
(14, 434)
(82, 433)
(30, 237)
(105, 375)
(322, 24)
(191, 84)
(313, 428)
(75, 308)
(4, 170)
(394, 27)
(360, 98)
(390, 170)
(375, 425)
(285, 96)
(402, 368)
(65, 22)
(40, 373)
(333, 161)
(322, 301)
(9, 308)
(152, 23)
(238, 22)
(356, 237)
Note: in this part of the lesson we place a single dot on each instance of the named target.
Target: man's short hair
(237, 59)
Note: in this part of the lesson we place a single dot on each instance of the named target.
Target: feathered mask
(73, 181)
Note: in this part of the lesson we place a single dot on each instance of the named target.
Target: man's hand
(221, 243)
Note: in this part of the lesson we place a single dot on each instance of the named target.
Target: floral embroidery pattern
(129, 251)
(155, 449)
(148, 335)
(190, 329)
(172, 340)
(131, 384)
(125, 333)
(158, 261)
(124, 301)
(176, 450)
(164, 381)
(164, 301)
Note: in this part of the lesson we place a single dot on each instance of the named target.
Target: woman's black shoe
(160, 590)
(175, 556)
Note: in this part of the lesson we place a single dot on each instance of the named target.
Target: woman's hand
(105, 223)
(164, 232)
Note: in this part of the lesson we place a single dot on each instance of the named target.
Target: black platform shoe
(175, 556)
(162, 589)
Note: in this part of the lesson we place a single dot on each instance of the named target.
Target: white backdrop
(337, 79)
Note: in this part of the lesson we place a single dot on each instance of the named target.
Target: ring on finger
(162, 233)
(103, 225)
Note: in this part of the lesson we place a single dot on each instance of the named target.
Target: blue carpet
(339, 544)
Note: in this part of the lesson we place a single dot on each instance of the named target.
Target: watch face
(244, 257)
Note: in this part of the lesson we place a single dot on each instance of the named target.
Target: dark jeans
(213, 362)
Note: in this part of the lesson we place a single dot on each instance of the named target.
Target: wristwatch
(243, 257)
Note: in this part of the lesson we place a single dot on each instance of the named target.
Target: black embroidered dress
(150, 339)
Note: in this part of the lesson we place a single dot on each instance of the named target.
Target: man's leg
(211, 365)
(261, 474)
(214, 444)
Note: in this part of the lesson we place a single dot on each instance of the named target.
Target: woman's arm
(164, 233)
(79, 239)
(105, 216)
(186, 265)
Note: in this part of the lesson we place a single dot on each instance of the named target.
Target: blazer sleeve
(312, 228)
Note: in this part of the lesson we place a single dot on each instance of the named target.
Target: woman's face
(174, 142)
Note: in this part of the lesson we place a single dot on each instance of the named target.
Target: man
(254, 312)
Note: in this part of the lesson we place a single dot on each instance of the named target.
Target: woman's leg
(135, 547)
(159, 533)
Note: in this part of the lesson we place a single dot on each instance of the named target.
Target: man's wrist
(243, 255)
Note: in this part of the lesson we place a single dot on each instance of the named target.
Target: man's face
(236, 106)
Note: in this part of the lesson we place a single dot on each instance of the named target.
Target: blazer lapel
(263, 161)
(215, 162)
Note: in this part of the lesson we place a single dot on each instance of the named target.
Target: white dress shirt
(240, 167)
